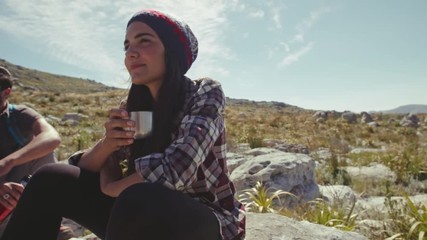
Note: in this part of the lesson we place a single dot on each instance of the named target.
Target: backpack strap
(13, 129)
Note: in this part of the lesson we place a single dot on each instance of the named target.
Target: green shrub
(260, 199)
(320, 212)
(409, 221)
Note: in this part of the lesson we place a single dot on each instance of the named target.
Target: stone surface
(270, 226)
(375, 171)
(291, 172)
(338, 194)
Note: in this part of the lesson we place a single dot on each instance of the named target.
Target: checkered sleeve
(176, 168)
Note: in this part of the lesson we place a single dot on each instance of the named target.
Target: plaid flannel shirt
(195, 162)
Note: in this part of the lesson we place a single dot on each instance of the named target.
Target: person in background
(27, 142)
(176, 185)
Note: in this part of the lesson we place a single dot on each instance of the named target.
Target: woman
(177, 184)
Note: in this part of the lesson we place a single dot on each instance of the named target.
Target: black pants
(142, 211)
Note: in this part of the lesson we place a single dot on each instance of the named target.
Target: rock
(234, 160)
(320, 120)
(375, 171)
(291, 172)
(372, 227)
(410, 120)
(369, 150)
(242, 147)
(376, 204)
(322, 154)
(87, 237)
(366, 117)
(373, 124)
(321, 116)
(285, 147)
(77, 229)
(270, 226)
(338, 194)
(74, 116)
(52, 119)
(349, 117)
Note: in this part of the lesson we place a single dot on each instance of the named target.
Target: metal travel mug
(143, 123)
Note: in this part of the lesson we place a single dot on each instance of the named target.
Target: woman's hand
(117, 133)
(10, 193)
(115, 137)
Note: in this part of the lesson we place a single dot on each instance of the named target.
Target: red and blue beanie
(175, 35)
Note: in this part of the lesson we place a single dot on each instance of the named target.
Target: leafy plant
(260, 199)
(408, 219)
(82, 140)
(320, 212)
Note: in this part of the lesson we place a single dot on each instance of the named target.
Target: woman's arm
(115, 137)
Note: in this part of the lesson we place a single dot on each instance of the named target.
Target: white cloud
(276, 9)
(286, 46)
(307, 23)
(276, 17)
(295, 57)
(89, 34)
(279, 48)
(298, 38)
(257, 14)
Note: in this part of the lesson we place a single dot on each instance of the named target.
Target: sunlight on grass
(261, 199)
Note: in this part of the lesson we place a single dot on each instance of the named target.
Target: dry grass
(249, 122)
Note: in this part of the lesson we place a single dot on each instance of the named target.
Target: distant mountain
(31, 79)
(411, 108)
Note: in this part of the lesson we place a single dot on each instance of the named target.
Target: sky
(355, 55)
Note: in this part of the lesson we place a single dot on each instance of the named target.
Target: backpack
(13, 129)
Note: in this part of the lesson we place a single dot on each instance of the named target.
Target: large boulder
(366, 117)
(291, 172)
(373, 172)
(410, 120)
(271, 226)
(349, 117)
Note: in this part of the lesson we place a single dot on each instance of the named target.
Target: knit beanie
(175, 35)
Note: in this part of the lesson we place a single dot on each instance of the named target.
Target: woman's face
(144, 56)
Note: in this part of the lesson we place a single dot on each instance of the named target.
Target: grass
(403, 150)
(261, 199)
(408, 220)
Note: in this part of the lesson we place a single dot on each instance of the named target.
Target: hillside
(411, 108)
(336, 146)
(27, 78)
(31, 79)
(37, 80)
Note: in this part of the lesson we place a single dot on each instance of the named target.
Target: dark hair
(170, 102)
(5, 79)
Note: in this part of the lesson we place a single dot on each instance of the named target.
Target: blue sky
(357, 55)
